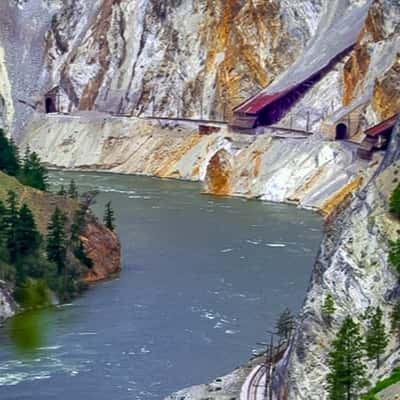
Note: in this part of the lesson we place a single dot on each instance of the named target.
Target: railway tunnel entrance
(49, 105)
(341, 131)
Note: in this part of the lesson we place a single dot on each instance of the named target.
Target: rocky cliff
(353, 267)
(151, 63)
(198, 59)
(307, 171)
(193, 59)
(7, 303)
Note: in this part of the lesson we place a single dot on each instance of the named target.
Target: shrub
(394, 204)
(394, 255)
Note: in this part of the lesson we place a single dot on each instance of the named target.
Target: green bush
(395, 202)
(32, 294)
(385, 383)
(394, 255)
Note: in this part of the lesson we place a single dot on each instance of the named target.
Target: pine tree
(33, 174)
(56, 247)
(346, 377)
(328, 308)
(27, 238)
(395, 319)
(62, 191)
(72, 190)
(3, 223)
(395, 202)
(394, 255)
(376, 339)
(80, 254)
(9, 161)
(285, 324)
(109, 219)
(11, 220)
(78, 224)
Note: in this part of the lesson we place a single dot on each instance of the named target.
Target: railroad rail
(254, 386)
(198, 121)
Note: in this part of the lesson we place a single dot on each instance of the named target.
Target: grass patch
(385, 383)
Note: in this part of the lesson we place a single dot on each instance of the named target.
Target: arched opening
(50, 107)
(341, 131)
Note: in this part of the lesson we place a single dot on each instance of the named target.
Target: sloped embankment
(308, 171)
(100, 244)
(353, 267)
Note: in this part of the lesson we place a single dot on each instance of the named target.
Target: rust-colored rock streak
(219, 174)
(386, 100)
(104, 248)
(333, 205)
(235, 30)
(354, 72)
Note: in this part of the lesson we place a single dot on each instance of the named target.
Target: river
(203, 278)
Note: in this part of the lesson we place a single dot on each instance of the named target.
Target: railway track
(254, 386)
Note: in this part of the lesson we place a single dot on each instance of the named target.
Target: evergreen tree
(3, 223)
(11, 220)
(328, 308)
(80, 254)
(376, 339)
(62, 191)
(33, 174)
(78, 224)
(394, 255)
(346, 377)
(109, 219)
(27, 238)
(285, 324)
(395, 319)
(56, 247)
(72, 190)
(9, 161)
(395, 202)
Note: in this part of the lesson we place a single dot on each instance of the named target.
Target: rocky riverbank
(312, 172)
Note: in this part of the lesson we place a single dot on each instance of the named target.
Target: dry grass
(41, 203)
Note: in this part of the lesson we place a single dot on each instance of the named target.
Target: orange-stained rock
(219, 174)
(332, 206)
(386, 100)
(354, 72)
(375, 22)
(104, 248)
(236, 29)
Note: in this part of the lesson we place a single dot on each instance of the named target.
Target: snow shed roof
(341, 33)
(382, 127)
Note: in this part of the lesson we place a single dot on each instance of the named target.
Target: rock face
(104, 248)
(23, 28)
(172, 57)
(6, 104)
(188, 58)
(353, 267)
(7, 304)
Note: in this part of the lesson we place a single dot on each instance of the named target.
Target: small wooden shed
(377, 138)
